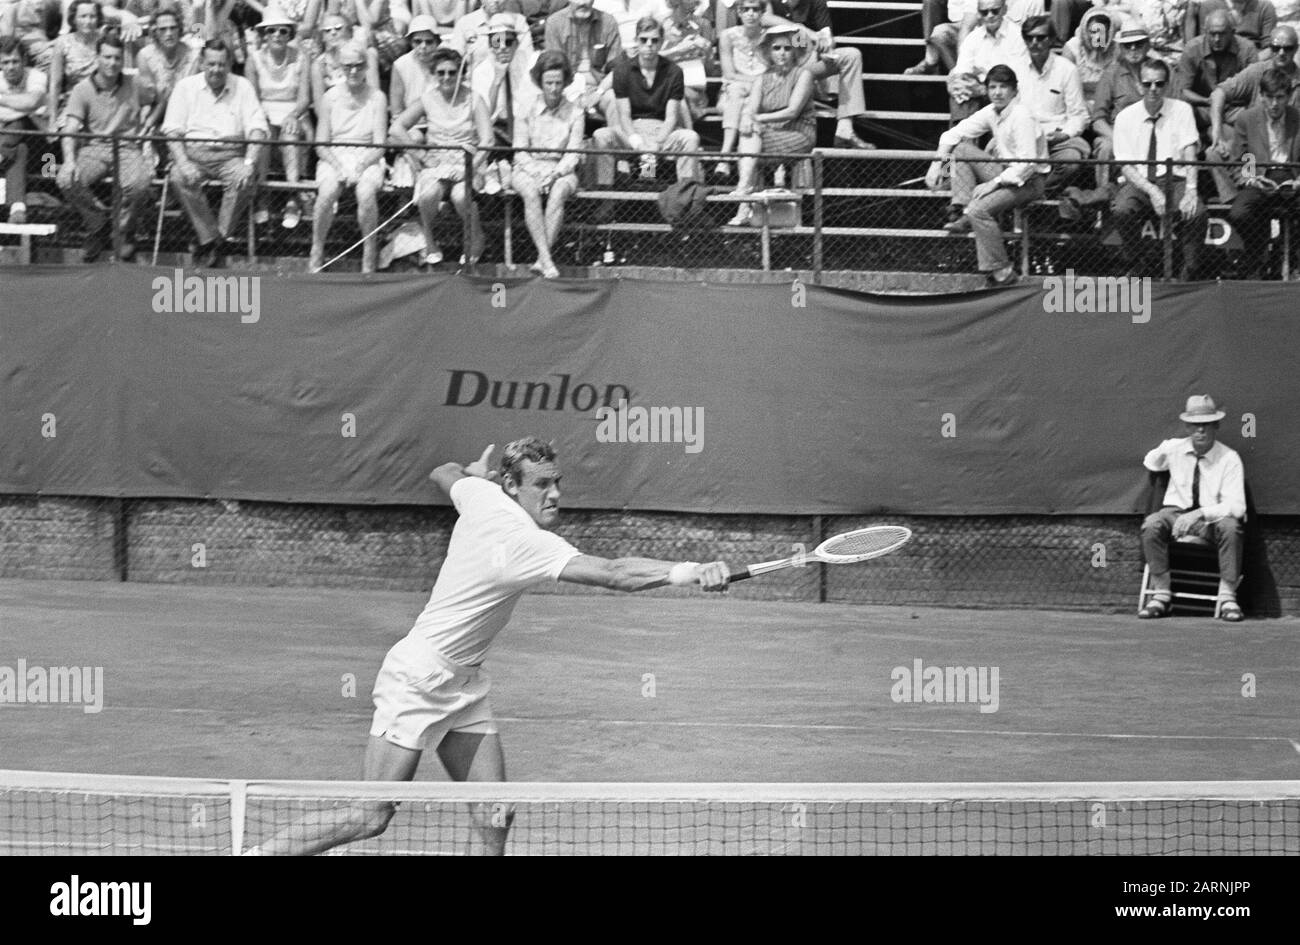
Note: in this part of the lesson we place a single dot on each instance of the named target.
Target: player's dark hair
(1004, 74)
(444, 54)
(548, 61)
(217, 45)
(1274, 82)
(77, 5)
(112, 41)
(648, 23)
(530, 448)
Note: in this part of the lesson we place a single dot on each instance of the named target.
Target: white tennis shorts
(420, 696)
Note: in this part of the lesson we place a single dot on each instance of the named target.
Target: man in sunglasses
(1117, 89)
(995, 40)
(1242, 90)
(1148, 133)
(1266, 134)
(470, 35)
(647, 112)
(1051, 89)
(503, 82)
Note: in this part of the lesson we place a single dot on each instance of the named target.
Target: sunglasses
(784, 47)
(1035, 38)
(996, 11)
(424, 42)
(353, 66)
(278, 31)
(1276, 48)
(1153, 85)
(446, 73)
(502, 42)
(649, 40)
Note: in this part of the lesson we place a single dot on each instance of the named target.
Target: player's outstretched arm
(642, 574)
(448, 474)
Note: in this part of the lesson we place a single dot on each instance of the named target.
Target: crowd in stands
(1131, 81)
(1139, 83)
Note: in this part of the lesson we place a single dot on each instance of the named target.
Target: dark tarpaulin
(974, 404)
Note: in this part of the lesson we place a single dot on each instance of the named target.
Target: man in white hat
(1206, 499)
(470, 37)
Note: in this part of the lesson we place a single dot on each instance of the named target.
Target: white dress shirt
(1015, 135)
(1175, 130)
(1223, 479)
(979, 52)
(1055, 96)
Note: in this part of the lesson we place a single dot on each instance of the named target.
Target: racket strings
(866, 541)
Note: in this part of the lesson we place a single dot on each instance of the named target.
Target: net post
(238, 811)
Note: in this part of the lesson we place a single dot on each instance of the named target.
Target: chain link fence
(1037, 561)
(828, 210)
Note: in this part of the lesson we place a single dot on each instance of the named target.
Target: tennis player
(431, 690)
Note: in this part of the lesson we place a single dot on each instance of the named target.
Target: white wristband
(683, 574)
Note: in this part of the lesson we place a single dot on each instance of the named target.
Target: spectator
(552, 121)
(1092, 49)
(1118, 89)
(444, 13)
(627, 14)
(689, 41)
(503, 82)
(411, 75)
(383, 22)
(74, 56)
(457, 121)
(1242, 90)
(214, 105)
(163, 63)
(984, 185)
(1054, 96)
(647, 111)
(844, 62)
(352, 113)
(1251, 20)
(995, 41)
(1206, 499)
(1268, 134)
(743, 61)
(22, 97)
(1170, 24)
(105, 103)
(589, 40)
(470, 38)
(278, 73)
(1210, 59)
(943, 27)
(778, 116)
(326, 72)
(1147, 133)
(27, 20)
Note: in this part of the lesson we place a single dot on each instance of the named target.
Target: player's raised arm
(642, 574)
(448, 474)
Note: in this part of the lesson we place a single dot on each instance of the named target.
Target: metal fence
(827, 210)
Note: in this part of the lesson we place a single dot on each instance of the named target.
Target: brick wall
(1068, 562)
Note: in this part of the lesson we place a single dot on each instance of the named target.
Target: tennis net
(44, 813)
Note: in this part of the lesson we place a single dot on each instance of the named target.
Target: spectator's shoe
(722, 170)
(96, 243)
(955, 212)
(958, 226)
(1089, 198)
(261, 216)
(17, 213)
(433, 256)
(854, 142)
(1069, 208)
(624, 168)
(744, 216)
(126, 252)
(1230, 611)
(1011, 278)
(1155, 608)
(922, 68)
(292, 215)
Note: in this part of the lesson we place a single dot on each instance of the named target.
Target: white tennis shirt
(496, 553)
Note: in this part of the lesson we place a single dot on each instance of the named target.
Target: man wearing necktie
(503, 82)
(1148, 133)
(1206, 499)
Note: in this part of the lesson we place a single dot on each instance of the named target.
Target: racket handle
(744, 575)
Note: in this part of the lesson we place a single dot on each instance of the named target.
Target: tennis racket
(861, 544)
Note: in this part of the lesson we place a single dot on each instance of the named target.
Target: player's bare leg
(363, 820)
(477, 756)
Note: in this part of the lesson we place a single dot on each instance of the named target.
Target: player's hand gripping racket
(862, 544)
